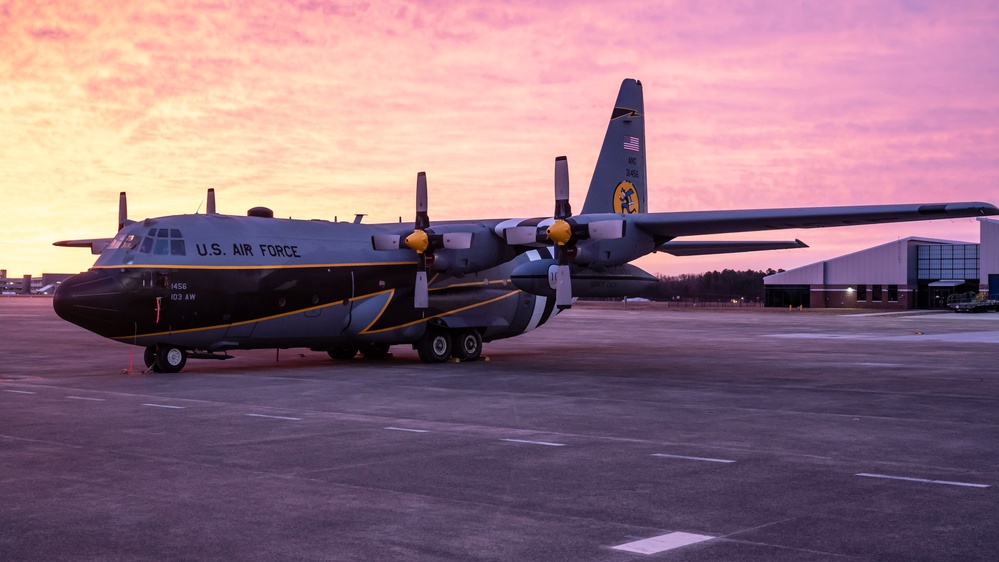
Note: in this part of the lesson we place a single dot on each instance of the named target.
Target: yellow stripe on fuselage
(236, 267)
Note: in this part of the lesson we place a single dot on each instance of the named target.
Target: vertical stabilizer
(618, 184)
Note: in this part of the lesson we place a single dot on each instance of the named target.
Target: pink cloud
(304, 105)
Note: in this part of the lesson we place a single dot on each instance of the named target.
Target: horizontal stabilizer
(706, 247)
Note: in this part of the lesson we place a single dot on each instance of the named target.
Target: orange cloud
(320, 108)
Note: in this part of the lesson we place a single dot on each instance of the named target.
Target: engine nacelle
(537, 278)
(486, 251)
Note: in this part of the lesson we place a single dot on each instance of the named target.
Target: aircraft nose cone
(92, 300)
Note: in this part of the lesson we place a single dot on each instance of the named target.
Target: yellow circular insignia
(626, 198)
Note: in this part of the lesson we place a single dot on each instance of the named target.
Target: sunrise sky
(329, 108)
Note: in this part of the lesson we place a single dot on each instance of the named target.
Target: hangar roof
(892, 263)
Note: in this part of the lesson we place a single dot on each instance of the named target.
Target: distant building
(28, 285)
(912, 273)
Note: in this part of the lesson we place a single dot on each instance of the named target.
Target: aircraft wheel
(169, 359)
(434, 346)
(468, 345)
(343, 353)
(375, 351)
(149, 358)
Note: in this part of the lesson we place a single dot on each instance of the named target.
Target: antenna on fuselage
(210, 209)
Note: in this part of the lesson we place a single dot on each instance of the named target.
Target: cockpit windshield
(157, 241)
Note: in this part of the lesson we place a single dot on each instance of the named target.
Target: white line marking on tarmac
(166, 406)
(662, 543)
(274, 417)
(20, 392)
(86, 398)
(924, 480)
(705, 459)
(407, 429)
(546, 443)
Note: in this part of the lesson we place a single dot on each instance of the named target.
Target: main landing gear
(368, 350)
(440, 344)
(164, 358)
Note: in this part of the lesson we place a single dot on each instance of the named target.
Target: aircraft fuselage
(217, 282)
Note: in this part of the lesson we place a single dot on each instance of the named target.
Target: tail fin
(618, 184)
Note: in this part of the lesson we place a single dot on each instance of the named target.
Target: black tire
(342, 353)
(169, 359)
(435, 346)
(149, 358)
(467, 345)
(375, 351)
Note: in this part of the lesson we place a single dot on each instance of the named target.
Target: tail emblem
(626, 198)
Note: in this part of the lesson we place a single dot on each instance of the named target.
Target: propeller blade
(563, 287)
(606, 230)
(210, 208)
(458, 240)
(521, 235)
(386, 241)
(122, 211)
(421, 295)
(422, 218)
(562, 210)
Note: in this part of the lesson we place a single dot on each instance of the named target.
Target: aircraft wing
(705, 247)
(691, 223)
(96, 245)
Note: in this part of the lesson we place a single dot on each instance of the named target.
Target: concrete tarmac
(721, 435)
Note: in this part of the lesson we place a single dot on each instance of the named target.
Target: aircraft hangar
(906, 274)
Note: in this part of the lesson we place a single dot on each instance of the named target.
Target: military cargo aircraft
(198, 286)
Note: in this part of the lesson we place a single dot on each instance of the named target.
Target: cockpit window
(177, 248)
(131, 241)
(116, 243)
(160, 242)
(162, 247)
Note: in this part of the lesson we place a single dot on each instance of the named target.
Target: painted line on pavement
(546, 443)
(705, 459)
(19, 391)
(662, 543)
(166, 406)
(407, 429)
(924, 480)
(274, 417)
(86, 398)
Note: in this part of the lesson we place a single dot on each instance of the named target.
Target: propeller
(419, 242)
(122, 211)
(565, 232)
(560, 232)
(424, 241)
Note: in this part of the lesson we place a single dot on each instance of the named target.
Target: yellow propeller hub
(560, 232)
(418, 241)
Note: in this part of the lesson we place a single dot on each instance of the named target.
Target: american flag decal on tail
(631, 143)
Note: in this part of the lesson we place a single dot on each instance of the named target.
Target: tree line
(713, 286)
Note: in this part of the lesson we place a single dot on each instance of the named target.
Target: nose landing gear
(164, 358)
